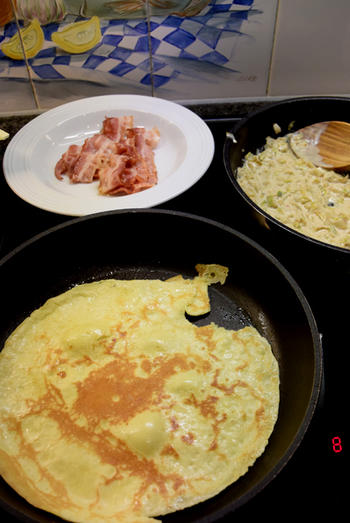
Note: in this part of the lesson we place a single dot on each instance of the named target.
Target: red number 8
(336, 441)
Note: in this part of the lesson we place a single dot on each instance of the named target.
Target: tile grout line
(36, 100)
(273, 47)
(150, 54)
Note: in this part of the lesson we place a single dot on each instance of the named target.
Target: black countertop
(311, 484)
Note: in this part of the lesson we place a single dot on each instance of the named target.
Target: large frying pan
(157, 244)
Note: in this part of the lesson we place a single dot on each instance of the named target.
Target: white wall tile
(312, 48)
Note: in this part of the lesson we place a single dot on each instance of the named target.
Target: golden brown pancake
(115, 407)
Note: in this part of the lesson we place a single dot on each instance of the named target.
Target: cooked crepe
(115, 407)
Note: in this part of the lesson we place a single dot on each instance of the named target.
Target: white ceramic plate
(183, 155)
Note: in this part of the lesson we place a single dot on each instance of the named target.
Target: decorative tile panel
(177, 49)
(223, 51)
(121, 53)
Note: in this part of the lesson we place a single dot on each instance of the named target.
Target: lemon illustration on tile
(79, 37)
(32, 37)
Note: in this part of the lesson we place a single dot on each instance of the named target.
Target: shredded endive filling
(312, 200)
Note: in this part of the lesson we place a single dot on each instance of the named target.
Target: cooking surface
(311, 483)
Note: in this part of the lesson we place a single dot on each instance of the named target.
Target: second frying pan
(158, 244)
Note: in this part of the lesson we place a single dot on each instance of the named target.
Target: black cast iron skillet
(158, 244)
(250, 134)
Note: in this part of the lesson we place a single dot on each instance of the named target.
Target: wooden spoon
(325, 144)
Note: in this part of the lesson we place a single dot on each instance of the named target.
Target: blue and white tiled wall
(188, 51)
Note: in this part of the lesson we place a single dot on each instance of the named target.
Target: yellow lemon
(33, 39)
(79, 37)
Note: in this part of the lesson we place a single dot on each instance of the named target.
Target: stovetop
(313, 482)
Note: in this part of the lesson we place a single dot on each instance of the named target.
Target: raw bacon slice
(110, 175)
(81, 163)
(67, 161)
(141, 167)
(121, 157)
(95, 152)
(115, 128)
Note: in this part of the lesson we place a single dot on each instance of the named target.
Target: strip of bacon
(145, 156)
(95, 152)
(66, 163)
(110, 175)
(115, 128)
(121, 157)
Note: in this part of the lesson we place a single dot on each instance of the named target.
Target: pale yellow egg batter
(115, 407)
